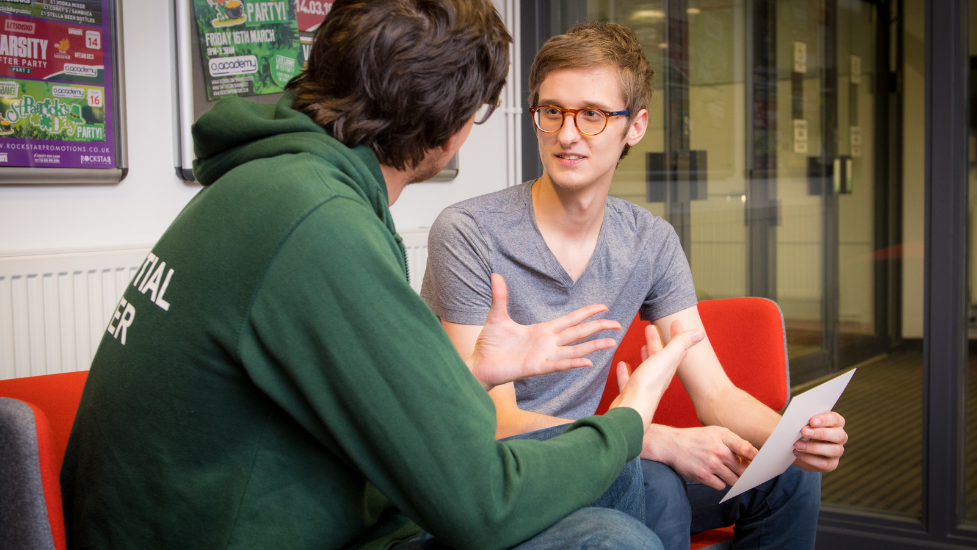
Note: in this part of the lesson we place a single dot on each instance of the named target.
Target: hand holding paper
(777, 453)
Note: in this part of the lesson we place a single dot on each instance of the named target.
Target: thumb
(500, 295)
(623, 375)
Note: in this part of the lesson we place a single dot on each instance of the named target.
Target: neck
(574, 213)
(395, 180)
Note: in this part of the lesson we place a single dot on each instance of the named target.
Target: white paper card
(778, 452)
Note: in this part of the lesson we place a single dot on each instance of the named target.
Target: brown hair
(597, 44)
(402, 76)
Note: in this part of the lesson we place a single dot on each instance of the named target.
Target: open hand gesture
(507, 351)
(642, 389)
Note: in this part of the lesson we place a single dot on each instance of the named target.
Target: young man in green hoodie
(270, 380)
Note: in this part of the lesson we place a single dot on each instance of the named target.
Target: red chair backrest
(57, 395)
(748, 336)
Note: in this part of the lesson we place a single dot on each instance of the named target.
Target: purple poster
(56, 94)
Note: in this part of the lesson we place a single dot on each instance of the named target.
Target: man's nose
(568, 132)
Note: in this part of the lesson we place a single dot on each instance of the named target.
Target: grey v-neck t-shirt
(637, 265)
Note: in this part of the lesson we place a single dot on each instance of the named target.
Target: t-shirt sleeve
(340, 341)
(672, 289)
(458, 281)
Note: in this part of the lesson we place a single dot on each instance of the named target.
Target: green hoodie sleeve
(340, 341)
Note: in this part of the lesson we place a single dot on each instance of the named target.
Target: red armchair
(749, 338)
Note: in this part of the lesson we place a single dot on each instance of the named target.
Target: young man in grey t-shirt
(560, 242)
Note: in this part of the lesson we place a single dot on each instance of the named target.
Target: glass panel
(761, 151)
(970, 468)
(801, 63)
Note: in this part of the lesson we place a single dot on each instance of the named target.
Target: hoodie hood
(237, 131)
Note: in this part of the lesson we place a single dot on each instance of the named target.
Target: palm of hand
(507, 351)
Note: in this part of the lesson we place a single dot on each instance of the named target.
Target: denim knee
(801, 488)
(606, 529)
(665, 492)
(627, 493)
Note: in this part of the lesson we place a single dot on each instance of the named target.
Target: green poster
(248, 47)
(51, 111)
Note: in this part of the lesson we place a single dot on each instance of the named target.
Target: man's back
(295, 388)
(174, 423)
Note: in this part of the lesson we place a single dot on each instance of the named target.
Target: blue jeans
(612, 522)
(781, 513)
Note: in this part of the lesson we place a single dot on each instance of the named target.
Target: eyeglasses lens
(588, 121)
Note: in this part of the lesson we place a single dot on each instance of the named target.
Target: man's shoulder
(485, 213)
(503, 201)
(633, 219)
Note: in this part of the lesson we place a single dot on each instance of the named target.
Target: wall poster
(240, 47)
(61, 102)
(249, 47)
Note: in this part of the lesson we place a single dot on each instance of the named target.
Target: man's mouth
(566, 156)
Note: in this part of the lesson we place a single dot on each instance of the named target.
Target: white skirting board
(55, 305)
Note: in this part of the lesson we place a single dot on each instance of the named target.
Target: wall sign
(61, 102)
(249, 47)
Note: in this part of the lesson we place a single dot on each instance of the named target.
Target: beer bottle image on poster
(57, 92)
(248, 47)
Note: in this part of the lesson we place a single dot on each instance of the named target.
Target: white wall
(138, 210)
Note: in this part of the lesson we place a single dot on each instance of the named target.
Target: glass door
(760, 152)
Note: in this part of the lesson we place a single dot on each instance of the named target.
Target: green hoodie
(271, 380)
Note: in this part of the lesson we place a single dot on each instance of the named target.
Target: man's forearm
(742, 414)
(514, 421)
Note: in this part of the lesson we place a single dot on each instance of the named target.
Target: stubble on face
(431, 166)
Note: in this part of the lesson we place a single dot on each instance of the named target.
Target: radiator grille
(54, 307)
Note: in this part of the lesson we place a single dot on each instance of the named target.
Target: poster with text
(56, 93)
(248, 47)
(311, 12)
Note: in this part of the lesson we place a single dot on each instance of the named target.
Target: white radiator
(54, 306)
(415, 243)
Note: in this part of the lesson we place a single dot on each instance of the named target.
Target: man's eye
(551, 111)
(591, 113)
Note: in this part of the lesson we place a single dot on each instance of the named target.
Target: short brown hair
(597, 44)
(402, 76)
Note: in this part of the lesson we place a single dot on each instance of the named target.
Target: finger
(644, 353)
(828, 420)
(560, 365)
(714, 482)
(831, 435)
(682, 342)
(653, 339)
(676, 328)
(579, 332)
(739, 446)
(727, 476)
(500, 295)
(586, 348)
(576, 317)
(815, 463)
(623, 375)
(827, 450)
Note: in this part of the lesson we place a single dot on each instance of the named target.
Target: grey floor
(882, 466)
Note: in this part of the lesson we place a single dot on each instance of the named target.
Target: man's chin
(427, 170)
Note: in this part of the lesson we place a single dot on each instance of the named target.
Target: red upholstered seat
(57, 395)
(53, 401)
(749, 339)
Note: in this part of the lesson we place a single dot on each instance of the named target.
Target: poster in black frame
(62, 93)
(191, 93)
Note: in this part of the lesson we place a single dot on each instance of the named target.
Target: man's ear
(636, 130)
(453, 142)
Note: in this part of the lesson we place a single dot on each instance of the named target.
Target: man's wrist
(658, 442)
